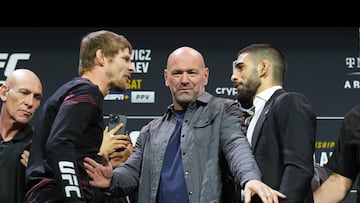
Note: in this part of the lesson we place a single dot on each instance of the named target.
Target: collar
(25, 131)
(265, 95)
(202, 100)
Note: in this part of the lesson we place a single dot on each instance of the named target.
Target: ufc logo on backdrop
(9, 61)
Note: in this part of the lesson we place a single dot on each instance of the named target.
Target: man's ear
(99, 57)
(264, 67)
(206, 76)
(165, 78)
(4, 89)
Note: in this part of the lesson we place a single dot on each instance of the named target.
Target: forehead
(124, 52)
(29, 83)
(186, 65)
(243, 57)
(241, 61)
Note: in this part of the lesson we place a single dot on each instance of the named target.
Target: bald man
(20, 95)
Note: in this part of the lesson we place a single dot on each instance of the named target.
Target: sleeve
(126, 176)
(344, 159)
(73, 117)
(237, 150)
(296, 123)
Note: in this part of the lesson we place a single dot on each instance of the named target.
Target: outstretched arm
(266, 193)
(333, 190)
(100, 175)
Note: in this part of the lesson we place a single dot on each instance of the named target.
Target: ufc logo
(68, 174)
(9, 62)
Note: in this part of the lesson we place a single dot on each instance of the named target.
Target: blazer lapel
(262, 118)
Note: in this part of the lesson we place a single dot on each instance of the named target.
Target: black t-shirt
(12, 172)
(345, 159)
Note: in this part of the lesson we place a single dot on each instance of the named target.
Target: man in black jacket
(20, 95)
(282, 130)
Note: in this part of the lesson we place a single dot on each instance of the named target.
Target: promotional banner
(323, 64)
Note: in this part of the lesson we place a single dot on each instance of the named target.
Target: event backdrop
(323, 64)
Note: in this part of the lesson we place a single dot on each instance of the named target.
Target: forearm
(120, 185)
(333, 190)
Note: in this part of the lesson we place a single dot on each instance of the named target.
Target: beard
(117, 88)
(245, 98)
(246, 95)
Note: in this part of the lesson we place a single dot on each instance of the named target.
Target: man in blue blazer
(282, 130)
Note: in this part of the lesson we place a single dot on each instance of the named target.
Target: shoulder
(74, 92)
(289, 96)
(214, 102)
(293, 98)
(290, 102)
(153, 124)
(224, 105)
(84, 85)
(352, 117)
(82, 88)
(77, 86)
(354, 112)
(220, 101)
